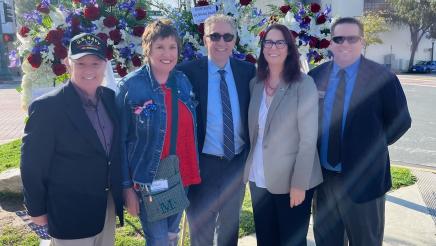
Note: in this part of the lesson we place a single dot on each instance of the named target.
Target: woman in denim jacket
(144, 100)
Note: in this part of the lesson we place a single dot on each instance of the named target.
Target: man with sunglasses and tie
(363, 109)
(221, 85)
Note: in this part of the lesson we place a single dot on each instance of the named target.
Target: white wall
(399, 40)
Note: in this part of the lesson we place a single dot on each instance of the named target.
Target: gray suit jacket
(290, 156)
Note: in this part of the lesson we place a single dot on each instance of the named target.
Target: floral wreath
(45, 33)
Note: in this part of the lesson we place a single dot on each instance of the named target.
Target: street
(416, 147)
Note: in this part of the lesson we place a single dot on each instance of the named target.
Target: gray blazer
(290, 156)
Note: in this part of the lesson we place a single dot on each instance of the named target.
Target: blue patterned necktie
(228, 132)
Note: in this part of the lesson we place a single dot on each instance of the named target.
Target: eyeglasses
(215, 37)
(280, 44)
(350, 39)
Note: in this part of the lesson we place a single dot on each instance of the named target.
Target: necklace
(270, 91)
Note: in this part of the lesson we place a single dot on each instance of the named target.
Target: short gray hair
(219, 18)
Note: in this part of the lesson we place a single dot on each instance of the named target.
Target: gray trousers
(215, 204)
(336, 214)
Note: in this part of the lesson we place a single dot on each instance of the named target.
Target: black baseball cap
(86, 44)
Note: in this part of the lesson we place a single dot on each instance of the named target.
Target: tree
(373, 24)
(418, 15)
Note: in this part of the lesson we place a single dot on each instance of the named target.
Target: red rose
(60, 51)
(250, 58)
(306, 20)
(138, 31)
(324, 43)
(294, 34)
(35, 60)
(136, 61)
(110, 21)
(285, 9)
(140, 14)
(318, 58)
(115, 35)
(54, 36)
(315, 8)
(24, 30)
(262, 34)
(91, 12)
(313, 42)
(76, 1)
(245, 2)
(75, 21)
(202, 3)
(109, 53)
(59, 69)
(110, 2)
(103, 36)
(122, 71)
(321, 19)
(200, 29)
(43, 8)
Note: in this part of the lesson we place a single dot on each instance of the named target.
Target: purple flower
(122, 24)
(33, 16)
(125, 53)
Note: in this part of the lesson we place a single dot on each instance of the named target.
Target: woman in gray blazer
(283, 165)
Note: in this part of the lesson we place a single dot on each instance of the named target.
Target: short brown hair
(291, 69)
(347, 20)
(161, 28)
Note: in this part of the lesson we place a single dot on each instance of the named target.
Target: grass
(10, 155)
(401, 177)
(131, 234)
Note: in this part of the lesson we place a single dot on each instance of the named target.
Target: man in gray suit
(221, 86)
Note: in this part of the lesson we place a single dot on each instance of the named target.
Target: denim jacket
(142, 134)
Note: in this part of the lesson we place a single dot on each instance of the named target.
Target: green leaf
(19, 89)
(47, 22)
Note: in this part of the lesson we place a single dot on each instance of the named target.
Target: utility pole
(432, 49)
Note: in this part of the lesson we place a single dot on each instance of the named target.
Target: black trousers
(276, 222)
(335, 213)
(215, 204)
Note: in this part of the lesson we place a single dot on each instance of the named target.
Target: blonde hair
(161, 28)
(219, 18)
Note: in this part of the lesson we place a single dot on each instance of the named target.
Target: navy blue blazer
(66, 172)
(197, 72)
(377, 117)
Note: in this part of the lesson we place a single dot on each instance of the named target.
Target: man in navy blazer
(363, 109)
(215, 204)
(70, 157)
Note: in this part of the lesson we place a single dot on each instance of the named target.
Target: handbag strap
(174, 118)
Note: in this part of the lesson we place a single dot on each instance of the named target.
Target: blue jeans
(157, 233)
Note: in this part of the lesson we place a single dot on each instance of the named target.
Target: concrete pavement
(11, 115)
(408, 219)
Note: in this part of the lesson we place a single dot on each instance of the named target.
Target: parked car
(424, 67)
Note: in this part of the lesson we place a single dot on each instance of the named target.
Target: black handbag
(164, 203)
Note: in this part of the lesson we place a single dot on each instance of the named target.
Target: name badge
(159, 185)
(321, 94)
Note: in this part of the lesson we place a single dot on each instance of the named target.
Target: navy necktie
(228, 132)
(335, 130)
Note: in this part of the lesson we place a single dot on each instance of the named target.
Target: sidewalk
(11, 115)
(408, 218)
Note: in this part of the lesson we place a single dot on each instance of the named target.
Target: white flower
(290, 22)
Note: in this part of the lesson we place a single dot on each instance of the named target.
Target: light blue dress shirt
(350, 80)
(213, 143)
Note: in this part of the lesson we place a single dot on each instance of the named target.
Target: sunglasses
(215, 37)
(350, 39)
(280, 44)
